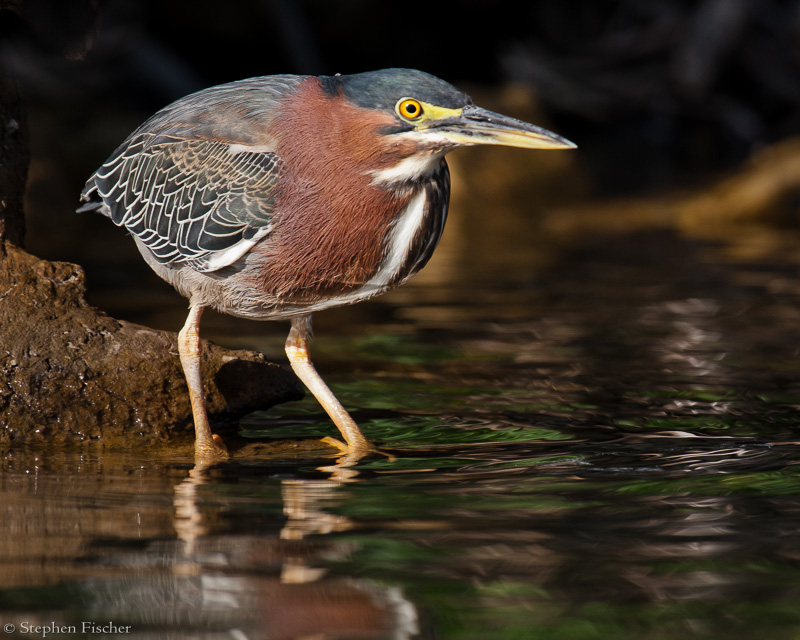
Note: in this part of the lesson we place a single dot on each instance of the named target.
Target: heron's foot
(211, 450)
(361, 449)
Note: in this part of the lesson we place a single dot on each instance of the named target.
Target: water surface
(595, 436)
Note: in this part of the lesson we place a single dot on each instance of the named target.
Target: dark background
(654, 92)
(660, 95)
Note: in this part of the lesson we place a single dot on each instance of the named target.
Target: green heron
(274, 197)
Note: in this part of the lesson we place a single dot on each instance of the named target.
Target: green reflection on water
(532, 558)
(423, 413)
(411, 431)
(387, 347)
(506, 608)
(768, 483)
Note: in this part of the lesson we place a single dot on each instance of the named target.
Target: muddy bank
(72, 373)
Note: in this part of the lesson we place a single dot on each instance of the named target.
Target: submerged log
(764, 190)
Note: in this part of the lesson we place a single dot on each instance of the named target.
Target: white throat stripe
(408, 169)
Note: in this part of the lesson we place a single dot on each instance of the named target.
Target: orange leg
(206, 444)
(297, 350)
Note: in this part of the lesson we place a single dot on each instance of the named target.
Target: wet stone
(71, 373)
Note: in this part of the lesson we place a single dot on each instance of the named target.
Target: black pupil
(411, 108)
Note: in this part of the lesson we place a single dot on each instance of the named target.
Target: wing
(195, 183)
(201, 202)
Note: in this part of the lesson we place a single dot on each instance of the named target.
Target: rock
(71, 373)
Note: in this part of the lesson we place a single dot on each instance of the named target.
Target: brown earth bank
(70, 373)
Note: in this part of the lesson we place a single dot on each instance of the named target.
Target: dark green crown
(382, 89)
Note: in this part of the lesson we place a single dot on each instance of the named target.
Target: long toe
(211, 450)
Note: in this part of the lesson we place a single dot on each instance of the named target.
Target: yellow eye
(409, 108)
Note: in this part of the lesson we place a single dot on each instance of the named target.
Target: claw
(336, 444)
(341, 446)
